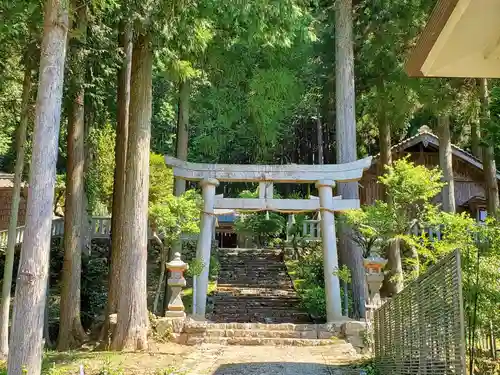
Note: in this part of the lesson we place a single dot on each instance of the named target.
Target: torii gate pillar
(204, 244)
(330, 258)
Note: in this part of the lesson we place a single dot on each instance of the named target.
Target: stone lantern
(176, 282)
(374, 277)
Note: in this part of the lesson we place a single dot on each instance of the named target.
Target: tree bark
(71, 333)
(118, 213)
(182, 131)
(346, 143)
(182, 153)
(163, 262)
(319, 131)
(384, 130)
(25, 354)
(475, 140)
(132, 320)
(446, 163)
(14, 210)
(489, 164)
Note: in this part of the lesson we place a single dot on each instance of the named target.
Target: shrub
(313, 300)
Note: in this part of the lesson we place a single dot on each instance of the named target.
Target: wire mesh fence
(421, 330)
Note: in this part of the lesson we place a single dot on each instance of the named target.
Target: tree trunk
(118, 214)
(46, 322)
(489, 165)
(182, 131)
(319, 131)
(393, 284)
(475, 140)
(71, 333)
(446, 163)
(384, 130)
(132, 320)
(25, 354)
(182, 153)
(163, 262)
(346, 143)
(14, 210)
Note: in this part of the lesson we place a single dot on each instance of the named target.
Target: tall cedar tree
(132, 320)
(182, 153)
(118, 213)
(25, 354)
(490, 168)
(446, 163)
(16, 198)
(71, 333)
(345, 134)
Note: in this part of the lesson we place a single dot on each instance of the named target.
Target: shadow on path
(284, 368)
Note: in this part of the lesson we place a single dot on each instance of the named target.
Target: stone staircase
(254, 287)
(255, 304)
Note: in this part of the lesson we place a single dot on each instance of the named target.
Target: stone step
(250, 274)
(262, 313)
(259, 318)
(272, 286)
(274, 297)
(194, 326)
(258, 303)
(262, 333)
(254, 286)
(337, 348)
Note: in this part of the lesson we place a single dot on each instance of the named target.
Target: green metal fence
(421, 330)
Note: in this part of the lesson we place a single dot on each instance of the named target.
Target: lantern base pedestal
(175, 314)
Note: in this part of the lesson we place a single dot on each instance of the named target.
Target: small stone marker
(176, 282)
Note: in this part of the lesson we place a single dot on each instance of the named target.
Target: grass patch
(163, 359)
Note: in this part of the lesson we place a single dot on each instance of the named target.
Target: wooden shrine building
(423, 149)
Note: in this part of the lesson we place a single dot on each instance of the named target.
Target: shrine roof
(461, 39)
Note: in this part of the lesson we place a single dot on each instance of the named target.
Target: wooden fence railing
(100, 227)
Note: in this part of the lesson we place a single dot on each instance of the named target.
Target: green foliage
(264, 227)
(196, 267)
(411, 188)
(213, 268)
(370, 368)
(479, 245)
(161, 180)
(410, 184)
(309, 279)
(94, 292)
(109, 369)
(100, 175)
(314, 300)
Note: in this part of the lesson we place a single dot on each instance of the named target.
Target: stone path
(264, 360)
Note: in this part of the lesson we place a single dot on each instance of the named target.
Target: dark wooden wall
(469, 180)
(5, 202)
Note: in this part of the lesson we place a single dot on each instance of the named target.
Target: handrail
(100, 227)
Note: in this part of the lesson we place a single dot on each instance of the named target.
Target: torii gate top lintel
(301, 173)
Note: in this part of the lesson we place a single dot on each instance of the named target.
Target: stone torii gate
(324, 176)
